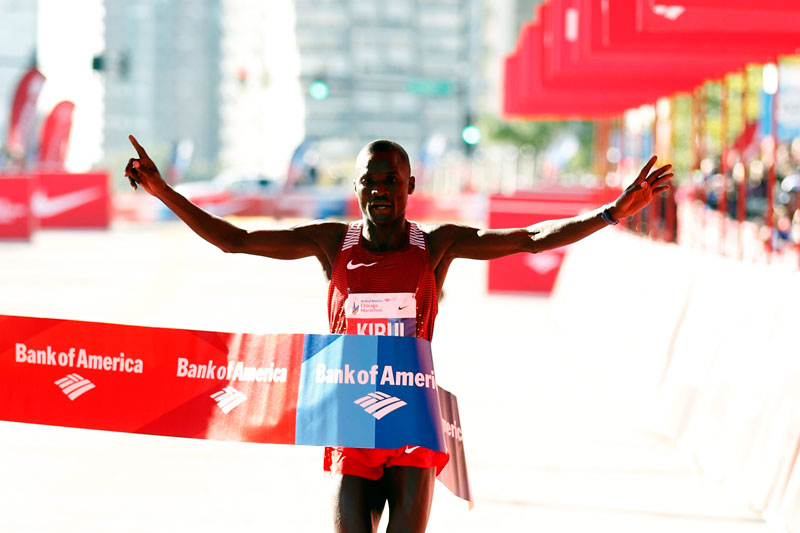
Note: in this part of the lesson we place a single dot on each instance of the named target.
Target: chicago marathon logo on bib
(384, 313)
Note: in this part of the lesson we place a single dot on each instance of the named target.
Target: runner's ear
(411, 184)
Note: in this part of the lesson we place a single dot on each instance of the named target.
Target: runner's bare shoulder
(328, 234)
(440, 236)
(445, 231)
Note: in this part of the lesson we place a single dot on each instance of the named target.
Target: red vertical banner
(55, 136)
(23, 112)
(745, 138)
(653, 209)
(771, 175)
(723, 161)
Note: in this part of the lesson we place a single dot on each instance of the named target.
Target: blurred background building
(17, 49)
(239, 85)
(501, 24)
(400, 69)
(261, 101)
(162, 76)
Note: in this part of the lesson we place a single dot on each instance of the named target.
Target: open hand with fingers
(644, 188)
(143, 171)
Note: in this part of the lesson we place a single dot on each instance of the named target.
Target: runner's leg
(410, 492)
(358, 504)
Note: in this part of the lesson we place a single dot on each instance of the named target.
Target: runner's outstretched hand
(644, 188)
(143, 171)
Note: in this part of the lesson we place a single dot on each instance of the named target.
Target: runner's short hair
(385, 145)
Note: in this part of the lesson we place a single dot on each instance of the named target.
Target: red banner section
(16, 219)
(134, 379)
(63, 200)
(535, 272)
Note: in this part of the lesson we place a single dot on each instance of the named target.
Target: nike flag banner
(320, 390)
(23, 114)
(55, 136)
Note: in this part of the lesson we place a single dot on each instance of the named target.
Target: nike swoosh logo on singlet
(410, 449)
(353, 266)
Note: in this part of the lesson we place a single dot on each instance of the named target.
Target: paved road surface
(555, 442)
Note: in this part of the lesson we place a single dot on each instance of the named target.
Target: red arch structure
(595, 59)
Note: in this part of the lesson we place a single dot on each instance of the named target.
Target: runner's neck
(384, 237)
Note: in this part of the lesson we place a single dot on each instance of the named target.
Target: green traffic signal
(319, 90)
(471, 135)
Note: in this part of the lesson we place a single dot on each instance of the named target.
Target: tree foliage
(539, 135)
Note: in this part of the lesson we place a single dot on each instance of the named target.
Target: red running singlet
(357, 271)
(382, 293)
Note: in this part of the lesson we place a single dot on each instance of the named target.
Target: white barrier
(624, 292)
(711, 340)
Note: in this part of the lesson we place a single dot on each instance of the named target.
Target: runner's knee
(410, 493)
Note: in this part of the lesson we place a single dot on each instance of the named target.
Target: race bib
(386, 313)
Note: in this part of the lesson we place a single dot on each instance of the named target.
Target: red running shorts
(369, 463)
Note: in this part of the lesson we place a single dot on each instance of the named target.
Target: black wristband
(607, 218)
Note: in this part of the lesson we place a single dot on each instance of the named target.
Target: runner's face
(383, 183)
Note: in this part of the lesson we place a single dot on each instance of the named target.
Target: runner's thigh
(410, 493)
(358, 504)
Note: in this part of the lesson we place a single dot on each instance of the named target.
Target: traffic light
(471, 135)
(318, 90)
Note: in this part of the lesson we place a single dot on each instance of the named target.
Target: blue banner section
(368, 392)
(409, 378)
(326, 414)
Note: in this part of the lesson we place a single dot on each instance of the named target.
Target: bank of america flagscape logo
(379, 404)
(228, 398)
(74, 385)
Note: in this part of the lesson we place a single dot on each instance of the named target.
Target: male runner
(385, 253)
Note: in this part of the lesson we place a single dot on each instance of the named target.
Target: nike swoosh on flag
(45, 207)
(353, 266)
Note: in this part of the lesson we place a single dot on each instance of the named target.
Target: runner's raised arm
(313, 239)
(452, 240)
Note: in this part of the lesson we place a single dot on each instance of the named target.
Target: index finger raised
(138, 147)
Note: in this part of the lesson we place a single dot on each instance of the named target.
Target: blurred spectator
(795, 232)
(781, 236)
